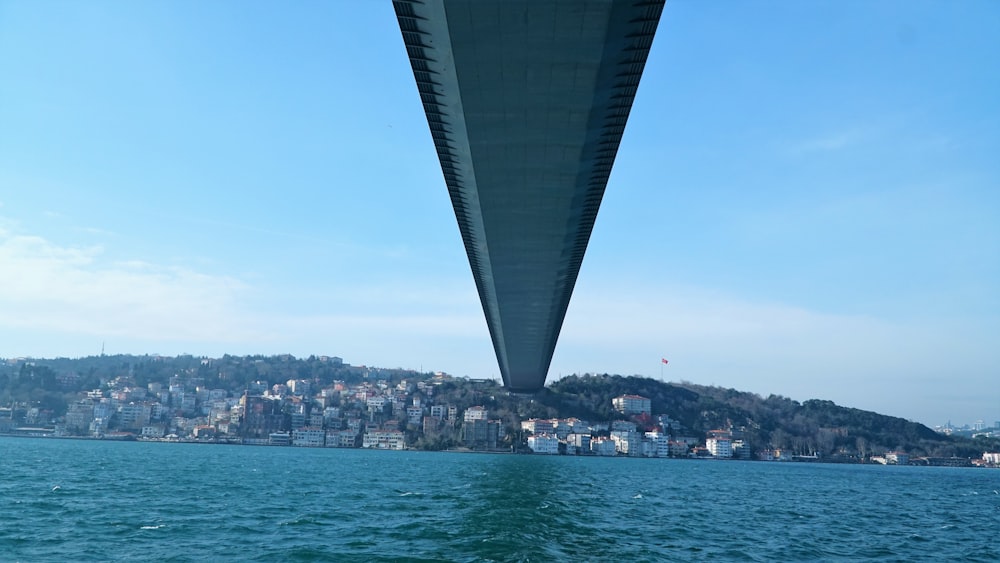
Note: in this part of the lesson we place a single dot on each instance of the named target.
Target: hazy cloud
(715, 338)
(97, 231)
(828, 142)
(74, 290)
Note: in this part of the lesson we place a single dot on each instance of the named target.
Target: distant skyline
(806, 201)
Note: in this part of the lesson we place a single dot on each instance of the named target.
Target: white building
(579, 443)
(279, 438)
(299, 387)
(603, 446)
(741, 449)
(719, 446)
(627, 442)
(660, 443)
(383, 440)
(309, 437)
(341, 439)
(561, 428)
(375, 404)
(897, 458)
(537, 426)
(475, 413)
(992, 457)
(104, 409)
(543, 444)
(631, 404)
(578, 426)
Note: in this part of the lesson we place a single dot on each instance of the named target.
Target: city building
(897, 458)
(719, 446)
(309, 436)
(623, 426)
(475, 413)
(741, 449)
(578, 443)
(631, 404)
(279, 438)
(341, 439)
(79, 415)
(537, 426)
(134, 416)
(660, 443)
(627, 442)
(481, 433)
(543, 444)
(414, 415)
(376, 404)
(603, 446)
(383, 440)
(261, 416)
(678, 448)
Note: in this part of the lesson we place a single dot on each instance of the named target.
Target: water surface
(76, 500)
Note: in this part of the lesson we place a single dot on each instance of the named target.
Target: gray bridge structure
(526, 101)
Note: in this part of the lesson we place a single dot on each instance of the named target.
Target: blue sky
(806, 201)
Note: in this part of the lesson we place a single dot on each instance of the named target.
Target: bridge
(526, 101)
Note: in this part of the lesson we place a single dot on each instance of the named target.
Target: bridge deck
(526, 101)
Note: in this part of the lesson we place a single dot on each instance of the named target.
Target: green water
(65, 500)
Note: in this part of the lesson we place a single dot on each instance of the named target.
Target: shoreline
(132, 438)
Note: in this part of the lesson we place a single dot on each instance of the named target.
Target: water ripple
(101, 501)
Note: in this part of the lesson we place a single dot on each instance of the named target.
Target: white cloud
(65, 300)
(66, 289)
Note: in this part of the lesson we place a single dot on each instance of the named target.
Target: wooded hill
(813, 426)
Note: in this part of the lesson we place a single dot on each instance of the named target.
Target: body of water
(76, 500)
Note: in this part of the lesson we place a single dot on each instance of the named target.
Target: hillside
(814, 426)
(775, 421)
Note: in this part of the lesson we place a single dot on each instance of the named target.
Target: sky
(806, 201)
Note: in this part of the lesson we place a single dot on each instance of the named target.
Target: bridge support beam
(526, 101)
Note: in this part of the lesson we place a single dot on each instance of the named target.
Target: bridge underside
(527, 101)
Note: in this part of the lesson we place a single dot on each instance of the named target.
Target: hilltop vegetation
(810, 427)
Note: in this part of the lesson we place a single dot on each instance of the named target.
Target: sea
(91, 500)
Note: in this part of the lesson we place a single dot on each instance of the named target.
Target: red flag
(664, 360)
